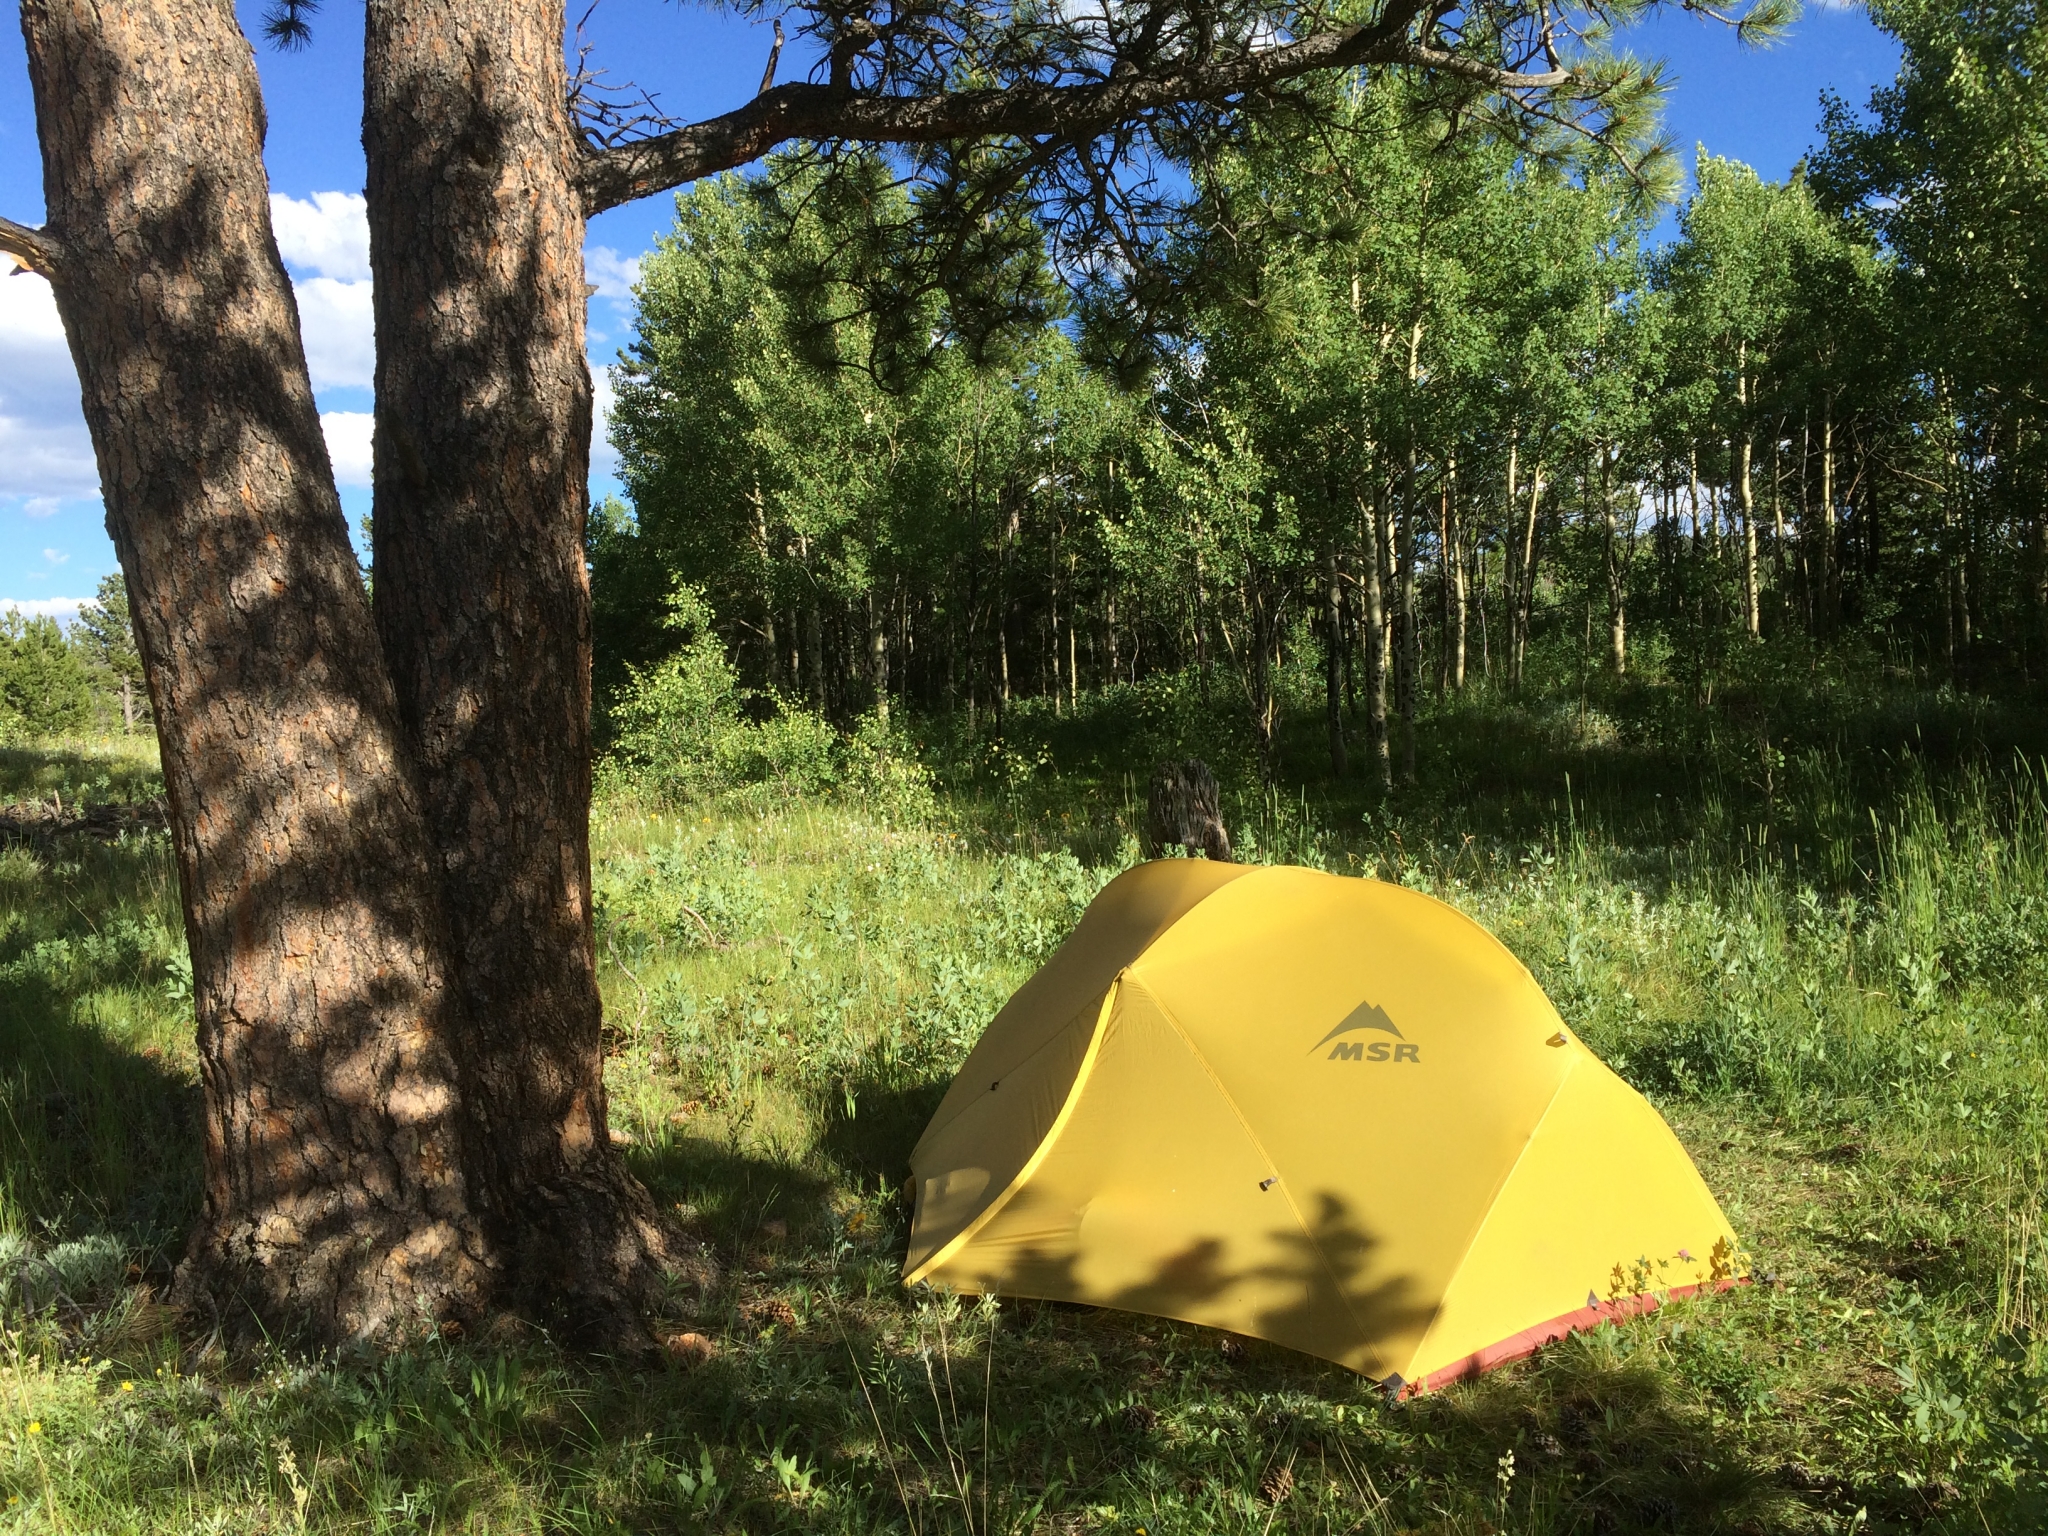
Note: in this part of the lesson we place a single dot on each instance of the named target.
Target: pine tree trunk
(483, 605)
(336, 1200)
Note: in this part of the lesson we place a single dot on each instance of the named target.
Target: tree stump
(1182, 810)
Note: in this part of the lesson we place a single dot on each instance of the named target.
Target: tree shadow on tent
(1607, 1438)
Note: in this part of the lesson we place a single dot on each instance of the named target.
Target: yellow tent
(1328, 1112)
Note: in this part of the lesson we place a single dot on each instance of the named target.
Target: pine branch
(34, 250)
(807, 110)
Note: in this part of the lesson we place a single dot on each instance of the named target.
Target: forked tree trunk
(335, 1193)
(483, 604)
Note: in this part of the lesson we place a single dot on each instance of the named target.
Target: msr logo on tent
(1375, 1050)
(1367, 1016)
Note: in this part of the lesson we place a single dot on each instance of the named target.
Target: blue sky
(1757, 106)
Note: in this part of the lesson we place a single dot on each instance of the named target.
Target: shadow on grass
(94, 1136)
(869, 1129)
(1063, 1412)
(834, 1404)
(100, 1116)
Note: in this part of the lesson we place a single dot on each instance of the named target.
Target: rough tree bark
(335, 1191)
(382, 833)
(481, 472)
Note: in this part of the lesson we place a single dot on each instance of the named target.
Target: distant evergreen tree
(104, 633)
(46, 684)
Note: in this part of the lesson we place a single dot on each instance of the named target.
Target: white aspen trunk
(1829, 606)
(1745, 493)
(1459, 592)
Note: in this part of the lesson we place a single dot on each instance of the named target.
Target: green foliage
(1850, 1039)
(1842, 1012)
(46, 685)
(1417, 360)
(105, 633)
(685, 730)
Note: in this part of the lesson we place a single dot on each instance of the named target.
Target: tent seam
(1021, 1064)
(1492, 1205)
(1286, 1193)
(1045, 1143)
(936, 1124)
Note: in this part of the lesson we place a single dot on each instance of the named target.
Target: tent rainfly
(1328, 1112)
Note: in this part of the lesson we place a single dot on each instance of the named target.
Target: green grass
(1832, 983)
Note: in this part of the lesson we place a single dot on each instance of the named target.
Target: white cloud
(326, 243)
(45, 452)
(348, 445)
(340, 332)
(329, 235)
(55, 556)
(604, 459)
(62, 609)
(46, 455)
(613, 274)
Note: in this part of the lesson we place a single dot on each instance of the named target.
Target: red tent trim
(1524, 1344)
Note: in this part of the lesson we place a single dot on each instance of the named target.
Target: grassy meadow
(1822, 950)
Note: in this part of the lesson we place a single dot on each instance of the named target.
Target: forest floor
(1846, 1032)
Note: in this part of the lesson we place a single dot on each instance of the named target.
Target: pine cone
(1276, 1484)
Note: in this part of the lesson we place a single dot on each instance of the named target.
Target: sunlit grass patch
(789, 984)
(81, 770)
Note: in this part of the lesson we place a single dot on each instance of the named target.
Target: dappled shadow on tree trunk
(483, 613)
